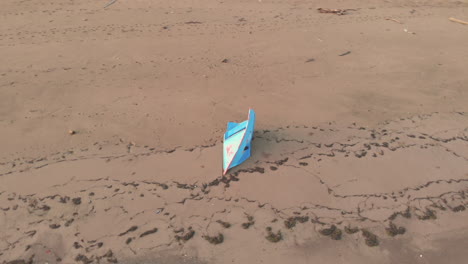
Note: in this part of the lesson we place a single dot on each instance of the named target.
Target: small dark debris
(54, 226)
(429, 214)
(131, 229)
(76, 200)
(272, 237)
(281, 162)
(250, 170)
(393, 230)
(225, 61)
(438, 206)
(360, 154)
(179, 230)
(290, 222)
(215, 239)
(336, 235)
(328, 231)
(31, 233)
(187, 236)
(310, 60)
(249, 223)
(351, 230)
(193, 22)
(339, 12)
(334, 232)
(184, 186)
(344, 54)
(108, 254)
(406, 213)
(91, 194)
(76, 245)
(371, 239)
(316, 221)
(131, 183)
(83, 259)
(149, 232)
(129, 240)
(69, 222)
(273, 168)
(224, 224)
(303, 163)
(459, 208)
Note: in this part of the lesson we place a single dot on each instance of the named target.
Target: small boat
(237, 142)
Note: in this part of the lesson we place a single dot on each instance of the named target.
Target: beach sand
(112, 119)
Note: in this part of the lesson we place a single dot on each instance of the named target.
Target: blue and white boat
(237, 142)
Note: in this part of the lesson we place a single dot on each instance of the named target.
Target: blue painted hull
(237, 142)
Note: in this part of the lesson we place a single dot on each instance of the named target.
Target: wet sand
(359, 158)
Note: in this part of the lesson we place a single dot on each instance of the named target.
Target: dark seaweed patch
(76, 200)
(351, 230)
(249, 223)
(428, 215)
(224, 224)
(187, 236)
(333, 232)
(458, 208)
(149, 232)
(291, 221)
(273, 237)
(371, 239)
(393, 230)
(215, 239)
(131, 229)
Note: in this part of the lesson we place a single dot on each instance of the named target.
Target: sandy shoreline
(301, 182)
(359, 158)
